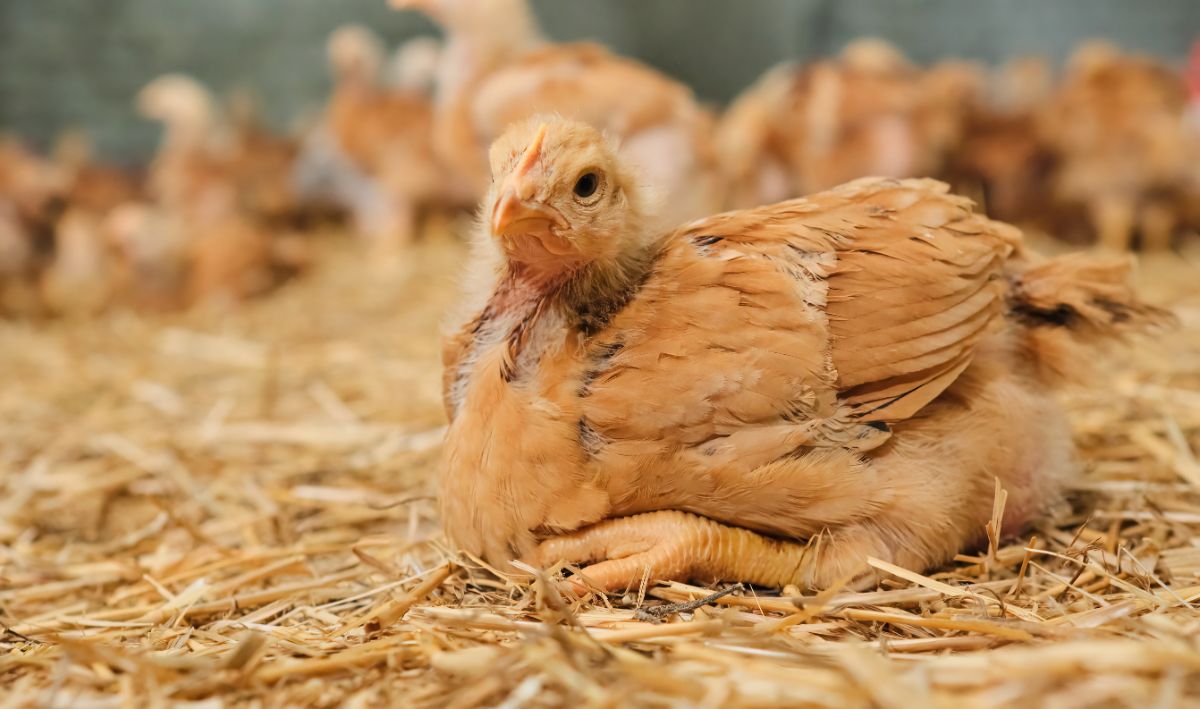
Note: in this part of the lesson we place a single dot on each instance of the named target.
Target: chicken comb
(532, 152)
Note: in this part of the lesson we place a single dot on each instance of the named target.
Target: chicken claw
(675, 545)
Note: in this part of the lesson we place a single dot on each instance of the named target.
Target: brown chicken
(190, 173)
(88, 184)
(220, 193)
(868, 112)
(1191, 188)
(57, 259)
(209, 166)
(770, 395)
(497, 69)
(150, 251)
(28, 186)
(262, 163)
(32, 187)
(1117, 131)
(384, 165)
(79, 277)
(18, 292)
(1000, 157)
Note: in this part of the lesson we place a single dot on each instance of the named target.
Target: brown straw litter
(235, 508)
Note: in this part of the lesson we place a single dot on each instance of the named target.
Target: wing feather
(862, 304)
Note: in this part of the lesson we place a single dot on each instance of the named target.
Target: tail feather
(1078, 301)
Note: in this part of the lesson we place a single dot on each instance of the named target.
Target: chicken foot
(679, 545)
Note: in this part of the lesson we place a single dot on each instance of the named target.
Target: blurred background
(160, 154)
(78, 63)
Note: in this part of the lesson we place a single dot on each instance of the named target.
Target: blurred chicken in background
(189, 174)
(1110, 153)
(16, 262)
(221, 202)
(78, 277)
(32, 187)
(1001, 161)
(498, 69)
(372, 152)
(26, 186)
(150, 256)
(52, 256)
(801, 129)
(1117, 131)
(1191, 187)
(211, 220)
(209, 165)
(88, 184)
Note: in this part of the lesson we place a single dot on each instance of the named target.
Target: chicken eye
(586, 185)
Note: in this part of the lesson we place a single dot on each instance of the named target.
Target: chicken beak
(513, 207)
(513, 216)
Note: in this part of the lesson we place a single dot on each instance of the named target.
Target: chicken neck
(588, 296)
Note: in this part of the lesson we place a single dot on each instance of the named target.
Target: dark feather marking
(590, 440)
(1118, 311)
(598, 361)
(796, 412)
(1061, 316)
(885, 402)
(593, 311)
(482, 319)
(463, 370)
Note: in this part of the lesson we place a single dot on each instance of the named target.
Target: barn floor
(234, 508)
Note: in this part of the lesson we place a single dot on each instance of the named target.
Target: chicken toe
(674, 545)
(622, 549)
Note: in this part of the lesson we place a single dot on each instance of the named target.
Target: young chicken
(1191, 188)
(18, 293)
(79, 278)
(413, 66)
(32, 187)
(208, 167)
(189, 174)
(497, 68)
(150, 248)
(262, 163)
(1117, 131)
(88, 184)
(382, 140)
(867, 112)
(1001, 157)
(769, 395)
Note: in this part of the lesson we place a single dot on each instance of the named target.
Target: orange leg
(671, 545)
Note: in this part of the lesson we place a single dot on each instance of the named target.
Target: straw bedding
(227, 508)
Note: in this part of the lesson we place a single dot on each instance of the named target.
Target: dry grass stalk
(235, 508)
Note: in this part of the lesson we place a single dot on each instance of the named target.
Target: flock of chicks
(212, 218)
(1111, 152)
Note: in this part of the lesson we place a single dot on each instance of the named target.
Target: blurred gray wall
(77, 63)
